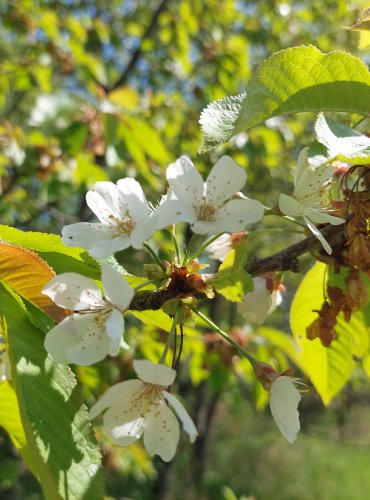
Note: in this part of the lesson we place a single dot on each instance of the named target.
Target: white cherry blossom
(139, 407)
(257, 304)
(210, 207)
(309, 199)
(124, 217)
(284, 400)
(95, 327)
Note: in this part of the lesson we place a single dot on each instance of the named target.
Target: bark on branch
(285, 260)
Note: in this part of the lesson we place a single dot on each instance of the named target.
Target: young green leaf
(290, 81)
(232, 281)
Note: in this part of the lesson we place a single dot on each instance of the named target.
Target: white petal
(183, 415)
(91, 344)
(114, 326)
(116, 288)
(62, 337)
(220, 247)
(162, 433)
(319, 236)
(256, 304)
(236, 214)
(86, 234)
(284, 399)
(301, 165)
(224, 180)
(289, 206)
(142, 231)
(105, 201)
(173, 211)
(105, 248)
(118, 394)
(347, 142)
(311, 182)
(127, 432)
(134, 197)
(154, 373)
(185, 181)
(73, 291)
(125, 420)
(322, 218)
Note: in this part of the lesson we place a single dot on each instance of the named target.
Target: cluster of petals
(140, 407)
(257, 304)
(309, 197)
(284, 399)
(210, 207)
(124, 215)
(96, 326)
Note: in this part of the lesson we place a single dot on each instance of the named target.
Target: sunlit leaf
(51, 249)
(26, 273)
(232, 281)
(65, 457)
(290, 81)
(329, 368)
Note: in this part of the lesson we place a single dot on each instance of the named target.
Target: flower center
(125, 225)
(206, 212)
(149, 396)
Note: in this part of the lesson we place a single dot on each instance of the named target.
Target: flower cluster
(94, 324)
(126, 219)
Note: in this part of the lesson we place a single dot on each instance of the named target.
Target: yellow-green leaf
(329, 368)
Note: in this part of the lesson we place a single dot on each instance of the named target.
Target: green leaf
(64, 455)
(10, 418)
(290, 81)
(232, 281)
(329, 368)
(51, 249)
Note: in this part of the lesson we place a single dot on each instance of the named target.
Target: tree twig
(285, 260)
(122, 80)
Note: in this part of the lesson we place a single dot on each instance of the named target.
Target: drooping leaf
(232, 281)
(63, 452)
(290, 81)
(329, 368)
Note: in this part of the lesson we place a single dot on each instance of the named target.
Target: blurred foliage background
(95, 90)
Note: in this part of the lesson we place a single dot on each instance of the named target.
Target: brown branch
(285, 260)
(122, 80)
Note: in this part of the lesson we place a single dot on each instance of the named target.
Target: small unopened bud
(265, 374)
(154, 271)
